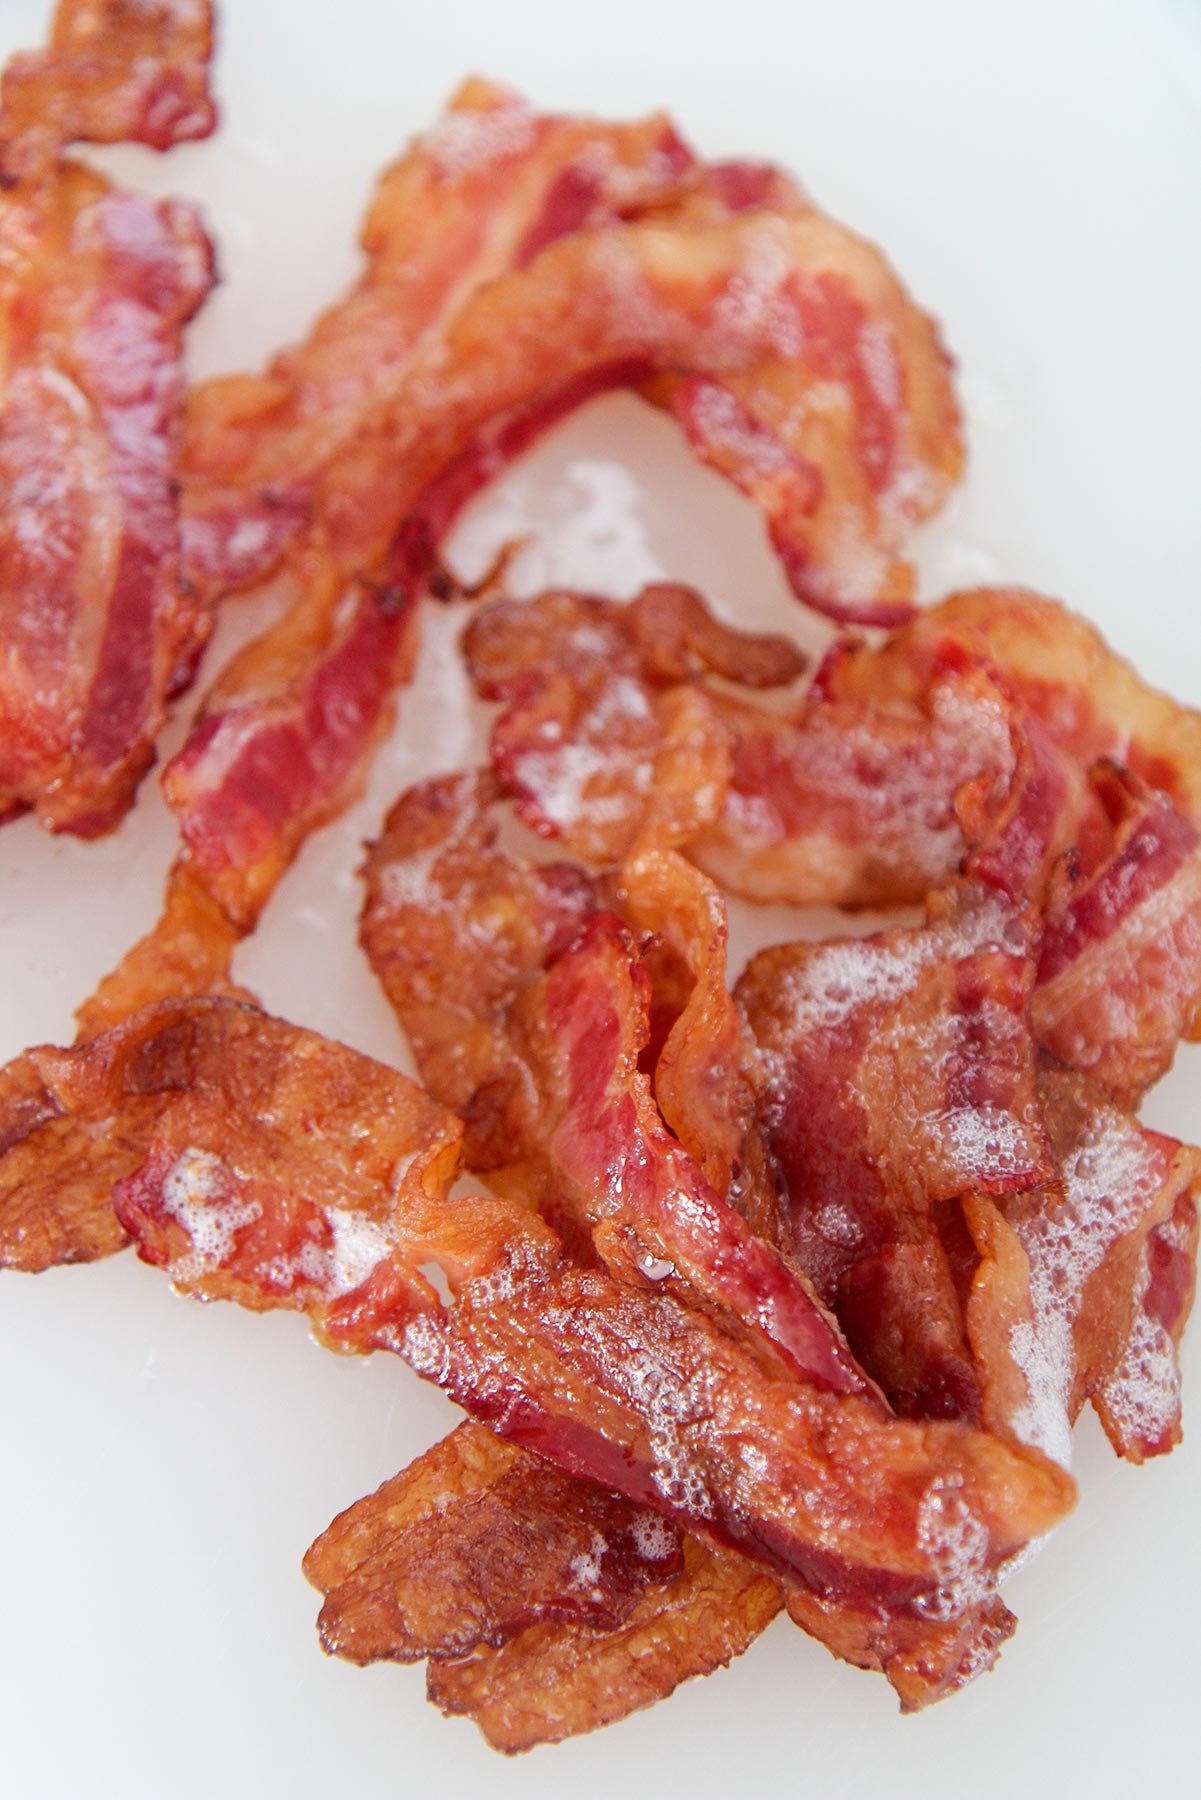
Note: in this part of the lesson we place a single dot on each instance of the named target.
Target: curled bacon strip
(487, 187)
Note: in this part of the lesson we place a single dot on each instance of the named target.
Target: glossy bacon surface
(95, 291)
(114, 72)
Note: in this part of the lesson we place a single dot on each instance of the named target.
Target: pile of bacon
(781, 1298)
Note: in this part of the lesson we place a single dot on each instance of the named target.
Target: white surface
(1032, 169)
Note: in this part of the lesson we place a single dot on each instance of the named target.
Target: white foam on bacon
(192, 1193)
(1108, 1181)
(654, 1539)
(957, 1545)
(466, 140)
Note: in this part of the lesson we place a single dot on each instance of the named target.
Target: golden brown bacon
(95, 289)
(761, 304)
(556, 1680)
(473, 1544)
(237, 1196)
(115, 72)
(896, 1074)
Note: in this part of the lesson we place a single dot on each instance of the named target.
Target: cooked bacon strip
(595, 726)
(769, 303)
(483, 190)
(555, 1681)
(623, 1386)
(1100, 1324)
(1119, 975)
(96, 289)
(238, 1197)
(897, 1072)
(115, 72)
(728, 301)
(282, 741)
(473, 1544)
(544, 1066)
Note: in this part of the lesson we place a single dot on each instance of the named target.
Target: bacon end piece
(475, 1543)
(555, 1681)
(114, 72)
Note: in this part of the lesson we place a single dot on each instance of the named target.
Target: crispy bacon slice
(472, 1545)
(555, 1681)
(596, 736)
(727, 302)
(114, 72)
(897, 1072)
(1119, 974)
(95, 291)
(547, 1015)
(1110, 1251)
(480, 193)
(237, 1196)
(605, 272)
(849, 799)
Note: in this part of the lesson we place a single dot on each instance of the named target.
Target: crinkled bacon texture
(519, 264)
(99, 628)
(273, 1167)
